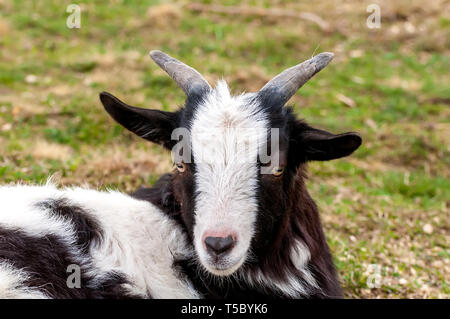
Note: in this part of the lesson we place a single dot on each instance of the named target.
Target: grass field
(387, 205)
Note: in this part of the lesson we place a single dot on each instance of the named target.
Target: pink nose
(219, 244)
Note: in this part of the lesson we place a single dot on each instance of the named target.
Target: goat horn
(284, 85)
(187, 78)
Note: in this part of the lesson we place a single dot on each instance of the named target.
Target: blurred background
(385, 209)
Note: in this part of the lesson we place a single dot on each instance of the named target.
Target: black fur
(137, 120)
(87, 229)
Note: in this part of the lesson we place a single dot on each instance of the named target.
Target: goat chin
(222, 271)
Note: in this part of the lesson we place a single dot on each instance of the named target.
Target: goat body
(123, 247)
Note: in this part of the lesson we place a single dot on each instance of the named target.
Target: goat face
(233, 199)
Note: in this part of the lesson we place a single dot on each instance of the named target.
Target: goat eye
(277, 171)
(181, 167)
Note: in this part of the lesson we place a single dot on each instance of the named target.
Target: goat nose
(219, 245)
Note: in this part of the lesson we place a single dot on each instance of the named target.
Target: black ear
(311, 144)
(153, 125)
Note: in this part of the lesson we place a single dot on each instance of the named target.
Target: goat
(217, 226)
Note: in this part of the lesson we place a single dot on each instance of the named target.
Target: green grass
(374, 205)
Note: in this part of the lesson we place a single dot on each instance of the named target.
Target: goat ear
(153, 125)
(318, 145)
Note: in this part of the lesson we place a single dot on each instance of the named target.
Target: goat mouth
(219, 268)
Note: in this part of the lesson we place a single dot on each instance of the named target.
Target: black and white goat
(218, 226)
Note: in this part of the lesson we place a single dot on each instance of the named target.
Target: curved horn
(187, 78)
(284, 85)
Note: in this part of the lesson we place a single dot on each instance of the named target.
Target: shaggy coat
(123, 247)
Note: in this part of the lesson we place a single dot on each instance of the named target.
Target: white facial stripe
(226, 168)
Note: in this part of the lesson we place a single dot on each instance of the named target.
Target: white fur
(12, 284)
(226, 171)
(19, 210)
(292, 287)
(139, 240)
